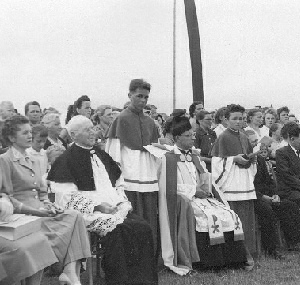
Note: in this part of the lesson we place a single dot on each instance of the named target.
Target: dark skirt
(245, 211)
(229, 253)
(129, 253)
(145, 205)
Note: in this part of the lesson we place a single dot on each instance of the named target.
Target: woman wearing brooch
(65, 230)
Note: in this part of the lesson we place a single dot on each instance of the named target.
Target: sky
(54, 51)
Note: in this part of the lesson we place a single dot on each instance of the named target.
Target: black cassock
(128, 250)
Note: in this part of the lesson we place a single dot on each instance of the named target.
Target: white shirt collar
(17, 154)
(294, 149)
(84, 147)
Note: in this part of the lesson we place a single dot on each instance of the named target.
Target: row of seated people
(78, 173)
(129, 255)
(273, 206)
(81, 170)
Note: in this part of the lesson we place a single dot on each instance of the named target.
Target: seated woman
(86, 179)
(20, 259)
(185, 184)
(65, 230)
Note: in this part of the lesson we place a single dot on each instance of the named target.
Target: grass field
(266, 271)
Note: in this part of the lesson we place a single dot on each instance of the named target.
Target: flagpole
(174, 54)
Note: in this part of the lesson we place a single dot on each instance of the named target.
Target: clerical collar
(134, 110)
(185, 151)
(186, 154)
(84, 147)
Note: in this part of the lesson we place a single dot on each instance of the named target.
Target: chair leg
(258, 237)
(89, 268)
(98, 265)
(279, 235)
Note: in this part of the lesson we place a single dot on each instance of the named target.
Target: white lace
(85, 201)
(97, 222)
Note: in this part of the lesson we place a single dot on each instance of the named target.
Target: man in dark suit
(288, 166)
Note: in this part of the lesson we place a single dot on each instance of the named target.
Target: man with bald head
(6, 111)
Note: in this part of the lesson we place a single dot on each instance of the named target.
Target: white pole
(174, 55)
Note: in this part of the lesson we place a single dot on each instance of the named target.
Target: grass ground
(267, 271)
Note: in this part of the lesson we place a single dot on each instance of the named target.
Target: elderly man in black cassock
(88, 179)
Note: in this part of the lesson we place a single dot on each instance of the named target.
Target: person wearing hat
(198, 228)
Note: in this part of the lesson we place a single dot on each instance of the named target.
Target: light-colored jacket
(21, 179)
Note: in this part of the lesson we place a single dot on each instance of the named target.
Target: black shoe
(276, 254)
(294, 247)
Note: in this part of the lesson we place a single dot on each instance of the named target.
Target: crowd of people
(191, 190)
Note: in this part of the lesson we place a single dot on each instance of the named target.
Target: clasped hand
(50, 210)
(202, 192)
(106, 208)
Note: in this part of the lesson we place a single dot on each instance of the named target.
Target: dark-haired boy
(233, 172)
(128, 134)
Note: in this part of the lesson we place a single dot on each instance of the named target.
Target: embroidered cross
(215, 226)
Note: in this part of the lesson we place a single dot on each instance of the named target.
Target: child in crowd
(233, 170)
(44, 157)
(278, 142)
(39, 138)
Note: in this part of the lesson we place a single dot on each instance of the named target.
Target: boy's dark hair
(180, 125)
(201, 115)
(293, 130)
(139, 83)
(233, 108)
(286, 127)
(192, 108)
(78, 102)
(39, 130)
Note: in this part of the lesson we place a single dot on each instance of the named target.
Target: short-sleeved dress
(62, 238)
